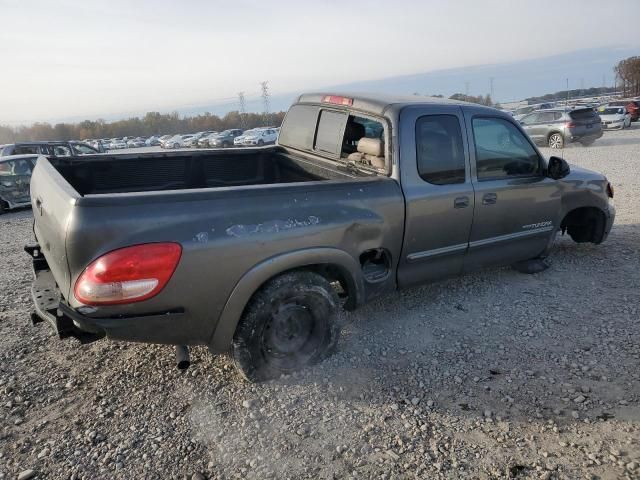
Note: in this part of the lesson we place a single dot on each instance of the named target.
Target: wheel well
(554, 132)
(584, 224)
(338, 277)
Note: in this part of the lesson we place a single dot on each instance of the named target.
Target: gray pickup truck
(255, 251)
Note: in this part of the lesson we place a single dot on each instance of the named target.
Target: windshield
(611, 111)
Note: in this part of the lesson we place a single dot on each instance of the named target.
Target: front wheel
(290, 323)
(176, 145)
(556, 140)
(260, 143)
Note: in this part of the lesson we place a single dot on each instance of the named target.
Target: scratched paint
(272, 226)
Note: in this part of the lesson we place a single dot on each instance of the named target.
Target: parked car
(193, 141)
(15, 177)
(245, 251)
(260, 137)
(203, 142)
(177, 141)
(237, 142)
(152, 141)
(614, 117)
(225, 139)
(558, 127)
(522, 111)
(136, 142)
(632, 106)
(117, 144)
(60, 149)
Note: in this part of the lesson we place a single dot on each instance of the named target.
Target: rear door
(516, 205)
(436, 182)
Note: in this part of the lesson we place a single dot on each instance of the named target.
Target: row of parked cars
(234, 137)
(556, 126)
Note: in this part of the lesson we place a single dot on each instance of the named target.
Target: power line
(265, 100)
(243, 110)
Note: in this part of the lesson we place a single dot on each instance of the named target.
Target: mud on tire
(289, 323)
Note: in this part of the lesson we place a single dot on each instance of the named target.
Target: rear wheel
(555, 140)
(3, 207)
(226, 145)
(290, 323)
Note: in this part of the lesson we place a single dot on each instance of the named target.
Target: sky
(97, 59)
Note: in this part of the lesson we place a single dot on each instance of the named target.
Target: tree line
(575, 93)
(628, 73)
(152, 123)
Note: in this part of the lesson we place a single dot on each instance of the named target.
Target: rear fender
(222, 336)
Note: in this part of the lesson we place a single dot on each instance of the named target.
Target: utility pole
(567, 102)
(265, 100)
(243, 110)
(491, 89)
(466, 88)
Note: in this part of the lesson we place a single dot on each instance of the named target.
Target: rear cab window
(336, 134)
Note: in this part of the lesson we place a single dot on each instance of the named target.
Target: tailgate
(53, 200)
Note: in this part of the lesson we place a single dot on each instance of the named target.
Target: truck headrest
(371, 146)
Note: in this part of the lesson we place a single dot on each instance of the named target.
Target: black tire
(3, 207)
(587, 143)
(225, 145)
(555, 140)
(260, 143)
(290, 323)
(176, 145)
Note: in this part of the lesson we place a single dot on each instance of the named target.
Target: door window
(530, 119)
(545, 117)
(439, 149)
(502, 151)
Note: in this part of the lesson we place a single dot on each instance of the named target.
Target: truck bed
(230, 210)
(100, 174)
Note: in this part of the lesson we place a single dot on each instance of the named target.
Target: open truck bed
(230, 210)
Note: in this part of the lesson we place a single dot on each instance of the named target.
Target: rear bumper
(582, 136)
(50, 306)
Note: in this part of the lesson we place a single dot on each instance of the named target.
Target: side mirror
(558, 168)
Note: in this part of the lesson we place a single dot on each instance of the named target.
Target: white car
(117, 144)
(238, 140)
(261, 137)
(178, 141)
(614, 117)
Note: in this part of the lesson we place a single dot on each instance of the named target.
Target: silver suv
(557, 127)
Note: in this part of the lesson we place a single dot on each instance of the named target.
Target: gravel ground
(491, 375)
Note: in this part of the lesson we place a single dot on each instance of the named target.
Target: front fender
(251, 281)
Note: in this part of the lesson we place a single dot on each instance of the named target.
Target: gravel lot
(491, 375)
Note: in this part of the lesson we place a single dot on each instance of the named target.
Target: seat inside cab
(364, 142)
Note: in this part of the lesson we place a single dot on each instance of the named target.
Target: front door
(516, 206)
(439, 198)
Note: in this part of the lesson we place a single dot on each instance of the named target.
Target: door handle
(489, 199)
(461, 202)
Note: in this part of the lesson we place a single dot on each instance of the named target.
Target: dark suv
(557, 127)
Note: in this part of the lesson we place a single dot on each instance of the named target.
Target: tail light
(570, 125)
(609, 190)
(128, 275)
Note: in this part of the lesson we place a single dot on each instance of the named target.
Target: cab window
(502, 151)
(439, 149)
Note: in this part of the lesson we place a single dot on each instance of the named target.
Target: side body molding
(222, 336)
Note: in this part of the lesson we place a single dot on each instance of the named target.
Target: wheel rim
(289, 329)
(555, 141)
(290, 336)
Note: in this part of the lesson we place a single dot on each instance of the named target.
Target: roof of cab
(378, 103)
